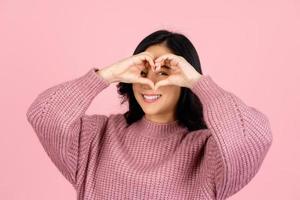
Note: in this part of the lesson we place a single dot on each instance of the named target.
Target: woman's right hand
(129, 70)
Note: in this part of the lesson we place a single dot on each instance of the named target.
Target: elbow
(267, 131)
(34, 113)
(30, 114)
(260, 127)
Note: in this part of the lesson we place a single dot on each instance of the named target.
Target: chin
(151, 111)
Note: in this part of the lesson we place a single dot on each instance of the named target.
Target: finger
(160, 62)
(148, 53)
(140, 66)
(157, 67)
(164, 57)
(148, 58)
(167, 59)
(152, 67)
(150, 61)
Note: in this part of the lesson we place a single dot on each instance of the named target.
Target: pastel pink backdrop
(249, 47)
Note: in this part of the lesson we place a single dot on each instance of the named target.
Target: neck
(162, 118)
(156, 130)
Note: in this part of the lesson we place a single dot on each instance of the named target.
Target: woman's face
(162, 109)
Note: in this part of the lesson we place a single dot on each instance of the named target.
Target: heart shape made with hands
(154, 69)
(181, 73)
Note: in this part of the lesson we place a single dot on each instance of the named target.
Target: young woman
(183, 136)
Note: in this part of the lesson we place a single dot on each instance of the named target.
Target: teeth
(151, 97)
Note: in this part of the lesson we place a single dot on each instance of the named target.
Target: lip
(150, 100)
(150, 94)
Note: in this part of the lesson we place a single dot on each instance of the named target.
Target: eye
(162, 73)
(142, 72)
(165, 74)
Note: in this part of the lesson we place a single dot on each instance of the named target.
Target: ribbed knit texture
(103, 159)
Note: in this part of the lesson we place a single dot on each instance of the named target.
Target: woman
(183, 137)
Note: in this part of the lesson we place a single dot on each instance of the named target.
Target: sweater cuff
(91, 82)
(206, 89)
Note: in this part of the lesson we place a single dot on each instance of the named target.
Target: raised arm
(242, 136)
(58, 117)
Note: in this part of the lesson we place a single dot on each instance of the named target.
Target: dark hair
(189, 110)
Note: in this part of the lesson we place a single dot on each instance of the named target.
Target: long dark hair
(189, 111)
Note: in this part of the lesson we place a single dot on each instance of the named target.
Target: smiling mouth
(151, 98)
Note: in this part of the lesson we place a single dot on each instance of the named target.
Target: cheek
(172, 95)
(134, 89)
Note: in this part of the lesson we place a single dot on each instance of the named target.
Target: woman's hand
(182, 72)
(129, 70)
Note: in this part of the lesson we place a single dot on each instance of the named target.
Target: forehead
(158, 50)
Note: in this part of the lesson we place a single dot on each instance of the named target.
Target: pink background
(250, 48)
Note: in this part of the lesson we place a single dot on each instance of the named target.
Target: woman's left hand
(182, 72)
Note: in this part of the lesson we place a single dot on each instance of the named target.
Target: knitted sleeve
(242, 135)
(58, 118)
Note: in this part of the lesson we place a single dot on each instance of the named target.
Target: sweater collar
(159, 130)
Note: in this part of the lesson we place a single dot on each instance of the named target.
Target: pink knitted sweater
(103, 159)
